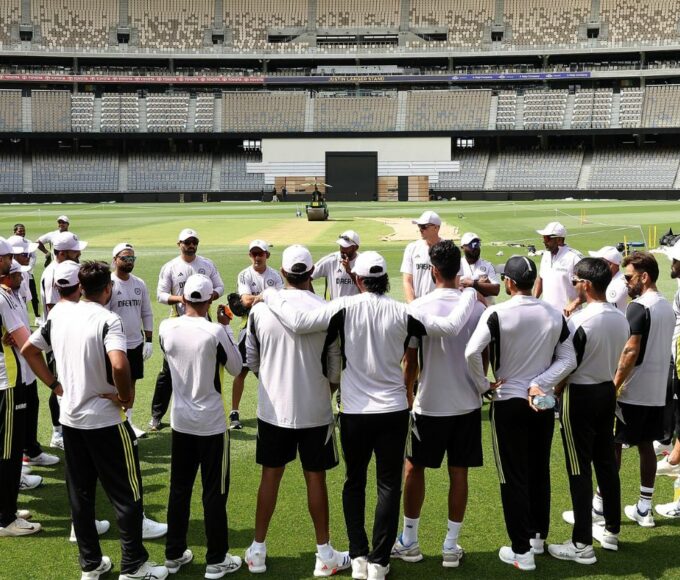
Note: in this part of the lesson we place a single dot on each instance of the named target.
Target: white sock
(410, 533)
(260, 547)
(128, 414)
(56, 429)
(597, 502)
(325, 551)
(452, 532)
(645, 502)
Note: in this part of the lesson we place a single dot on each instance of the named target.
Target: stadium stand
(234, 176)
(75, 23)
(10, 111)
(67, 172)
(263, 111)
(537, 169)
(630, 107)
(446, 110)
(473, 164)
(164, 172)
(10, 13)
(120, 112)
(11, 173)
(205, 113)
(506, 111)
(633, 21)
(592, 109)
(82, 112)
(167, 24)
(51, 111)
(544, 109)
(465, 19)
(541, 22)
(361, 114)
(661, 106)
(357, 13)
(634, 168)
(167, 113)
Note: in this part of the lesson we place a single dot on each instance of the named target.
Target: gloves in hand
(147, 350)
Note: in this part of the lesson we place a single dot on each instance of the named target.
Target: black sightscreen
(354, 176)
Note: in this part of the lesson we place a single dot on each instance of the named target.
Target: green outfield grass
(225, 230)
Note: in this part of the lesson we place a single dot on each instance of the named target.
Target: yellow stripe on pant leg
(496, 451)
(9, 415)
(129, 461)
(225, 461)
(575, 467)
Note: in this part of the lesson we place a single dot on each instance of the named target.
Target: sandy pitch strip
(405, 231)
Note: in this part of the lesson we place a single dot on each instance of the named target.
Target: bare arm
(627, 360)
(410, 373)
(538, 288)
(122, 380)
(35, 359)
(409, 292)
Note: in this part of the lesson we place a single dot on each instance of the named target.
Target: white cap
(17, 267)
(264, 246)
(5, 248)
(198, 288)
(64, 218)
(66, 274)
(295, 255)
(554, 230)
(121, 248)
(187, 233)
(66, 241)
(370, 265)
(22, 245)
(609, 253)
(674, 251)
(428, 217)
(469, 237)
(348, 238)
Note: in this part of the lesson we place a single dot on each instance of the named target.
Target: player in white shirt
(63, 224)
(415, 266)
(336, 268)
(171, 280)
(99, 443)
(251, 282)
(557, 268)
(130, 300)
(27, 258)
(475, 272)
(446, 417)
(617, 291)
(197, 352)
(296, 376)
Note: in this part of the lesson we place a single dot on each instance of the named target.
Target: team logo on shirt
(201, 270)
(482, 268)
(138, 291)
(423, 266)
(270, 282)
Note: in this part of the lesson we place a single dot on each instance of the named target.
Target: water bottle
(543, 402)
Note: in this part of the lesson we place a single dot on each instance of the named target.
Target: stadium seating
(167, 113)
(11, 174)
(51, 111)
(359, 114)
(446, 110)
(205, 113)
(630, 107)
(506, 112)
(592, 109)
(465, 19)
(473, 164)
(634, 168)
(538, 169)
(10, 12)
(120, 113)
(75, 23)
(357, 13)
(662, 106)
(633, 21)
(234, 176)
(75, 172)
(541, 22)
(82, 112)
(263, 111)
(165, 24)
(10, 111)
(544, 109)
(166, 172)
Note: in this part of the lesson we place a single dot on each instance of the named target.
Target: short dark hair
(17, 226)
(445, 256)
(377, 284)
(596, 271)
(94, 277)
(298, 278)
(643, 262)
(67, 291)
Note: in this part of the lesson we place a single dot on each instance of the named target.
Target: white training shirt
(417, 263)
(617, 292)
(477, 270)
(251, 282)
(10, 320)
(130, 300)
(650, 316)
(48, 238)
(294, 370)
(338, 281)
(80, 335)
(174, 274)
(599, 332)
(27, 374)
(556, 272)
(527, 340)
(445, 387)
(373, 332)
(197, 351)
(48, 291)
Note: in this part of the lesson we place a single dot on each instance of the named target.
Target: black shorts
(277, 446)
(136, 359)
(638, 424)
(459, 436)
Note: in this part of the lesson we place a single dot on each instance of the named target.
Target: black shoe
(155, 424)
(234, 421)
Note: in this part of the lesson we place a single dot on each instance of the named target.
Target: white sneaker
(256, 561)
(537, 545)
(29, 482)
(646, 520)
(664, 467)
(668, 510)
(569, 551)
(26, 469)
(147, 571)
(598, 518)
(451, 558)
(377, 572)
(152, 530)
(607, 540)
(24, 514)
(139, 433)
(173, 566)
(57, 441)
(339, 561)
(20, 527)
(103, 526)
(43, 460)
(228, 566)
(103, 568)
(662, 448)
(519, 561)
(360, 568)
(410, 553)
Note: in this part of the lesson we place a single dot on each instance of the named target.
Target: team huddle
(408, 379)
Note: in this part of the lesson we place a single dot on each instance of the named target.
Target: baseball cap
(187, 233)
(66, 274)
(370, 265)
(469, 237)
(294, 257)
(674, 251)
(554, 230)
(198, 288)
(22, 245)
(121, 248)
(348, 238)
(68, 241)
(609, 253)
(5, 248)
(264, 246)
(17, 267)
(428, 217)
(64, 218)
(520, 269)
